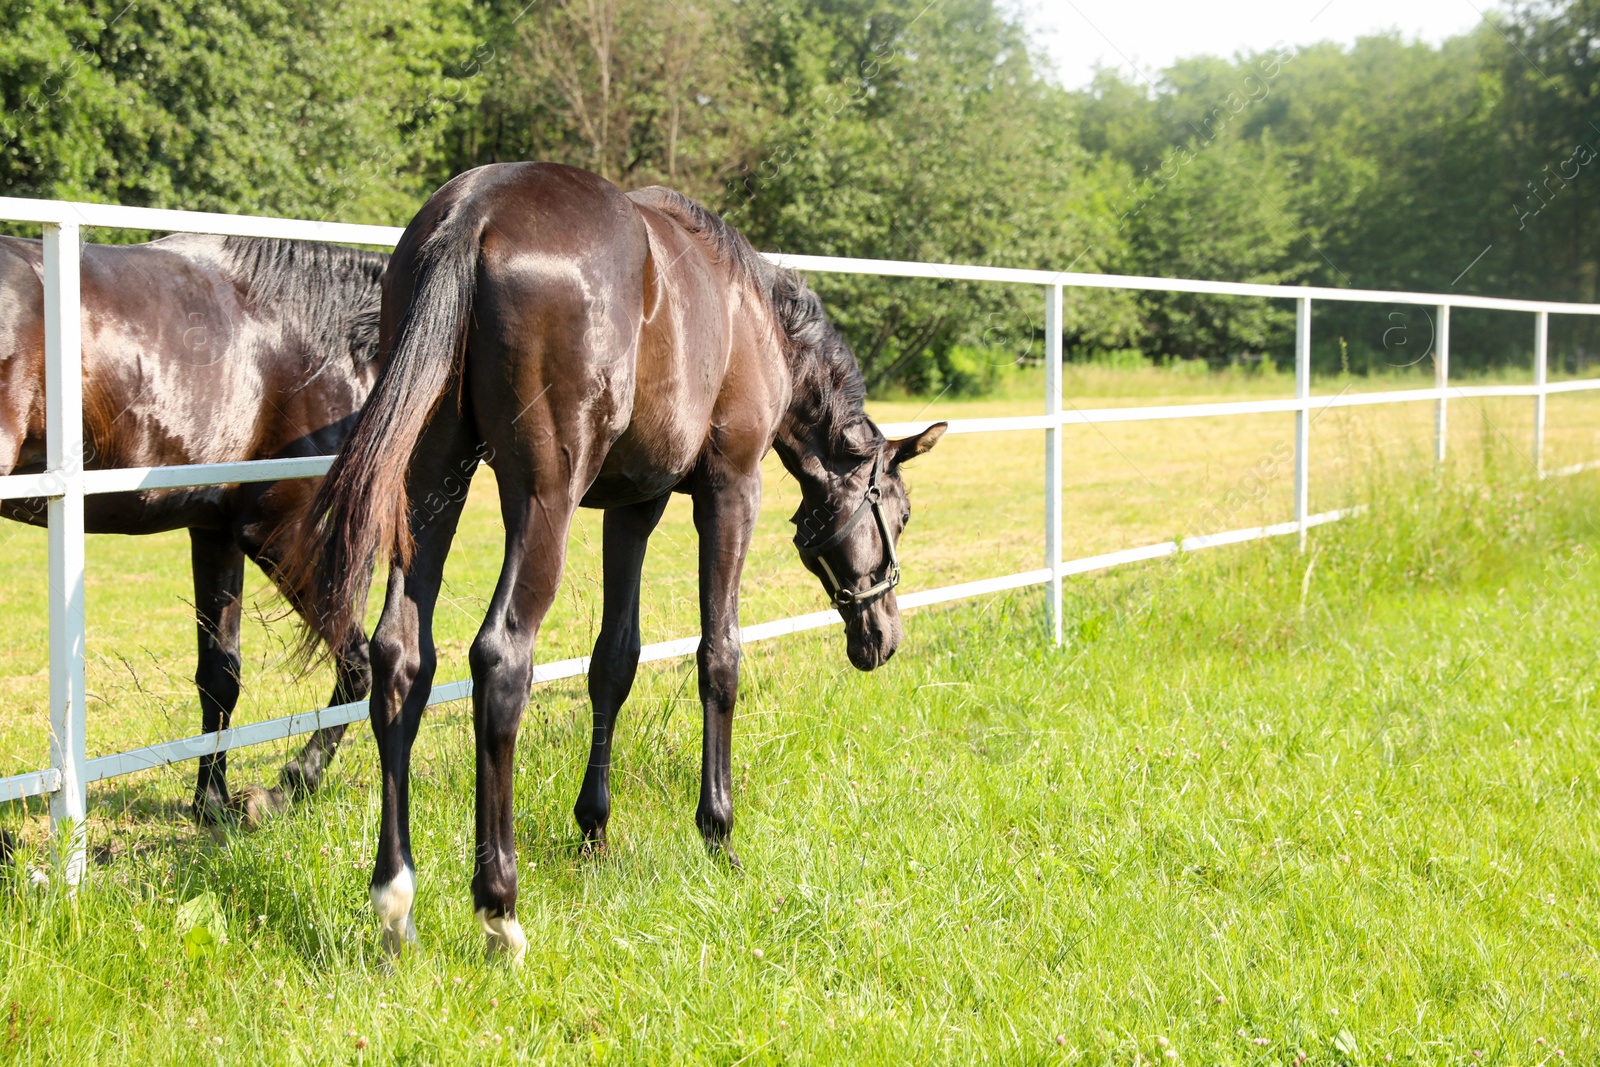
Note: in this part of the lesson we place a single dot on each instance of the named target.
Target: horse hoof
(211, 809)
(504, 937)
(594, 846)
(398, 937)
(257, 804)
(393, 903)
(292, 781)
(719, 848)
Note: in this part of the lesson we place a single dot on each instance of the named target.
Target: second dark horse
(202, 349)
(605, 350)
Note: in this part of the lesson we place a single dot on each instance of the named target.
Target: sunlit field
(1261, 805)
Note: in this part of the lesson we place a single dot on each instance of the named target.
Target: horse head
(846, 531)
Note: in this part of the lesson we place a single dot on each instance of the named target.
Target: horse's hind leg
(616, 654)
(537, 518)
(403, 662)
(218, 585)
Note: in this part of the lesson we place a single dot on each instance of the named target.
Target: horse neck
(806, 442)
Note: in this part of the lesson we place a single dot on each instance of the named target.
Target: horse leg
(502, 679)
(616, 654)
(302, 776)
(218, 565)
(725, 507)
(403, 662)
(263, 516)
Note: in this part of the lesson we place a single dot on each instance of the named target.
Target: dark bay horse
(204, 349)
(605, 350)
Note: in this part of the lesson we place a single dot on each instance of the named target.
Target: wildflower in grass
(758, 954)
(361, 1042)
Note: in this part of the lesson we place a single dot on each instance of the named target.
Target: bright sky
(1153, 33)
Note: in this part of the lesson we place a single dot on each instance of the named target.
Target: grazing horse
(604, 350)
(202, 349)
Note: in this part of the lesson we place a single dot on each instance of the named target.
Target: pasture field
(1263, 808)
(977, 512)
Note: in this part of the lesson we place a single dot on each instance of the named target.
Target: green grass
(1262, 804)
(1080, 843)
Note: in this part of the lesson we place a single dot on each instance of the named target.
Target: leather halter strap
(872, 499)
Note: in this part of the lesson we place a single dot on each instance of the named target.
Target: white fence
(65, 483)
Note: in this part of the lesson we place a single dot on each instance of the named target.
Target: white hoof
(393, 903)
(504, 937)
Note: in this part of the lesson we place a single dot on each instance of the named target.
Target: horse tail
(361, 509)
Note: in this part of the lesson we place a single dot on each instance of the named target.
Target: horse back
(181, 365)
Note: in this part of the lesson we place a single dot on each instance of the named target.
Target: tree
(927, 133)
(264, 107)
(1206, 199)
(640, 92)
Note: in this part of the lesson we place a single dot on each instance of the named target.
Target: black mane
(328, 292)
(828, 386)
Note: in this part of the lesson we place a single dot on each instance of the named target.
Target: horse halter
(873, 498)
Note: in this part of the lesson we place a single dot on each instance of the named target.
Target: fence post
(1052, 453)
(63, 362)
(1302, 414)
(1441, 381)
(1541, 374)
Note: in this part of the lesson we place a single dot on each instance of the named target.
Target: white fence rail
(65, 483)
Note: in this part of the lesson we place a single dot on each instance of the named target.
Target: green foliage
(1218, 218)
(201, 926)
(940, 142)
(266, 107)
(1464, 167)
(878, 128)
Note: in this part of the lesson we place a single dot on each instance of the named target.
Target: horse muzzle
(872, 633)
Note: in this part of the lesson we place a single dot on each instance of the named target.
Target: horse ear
(908, 448)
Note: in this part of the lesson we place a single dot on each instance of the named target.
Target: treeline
(881, 128)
